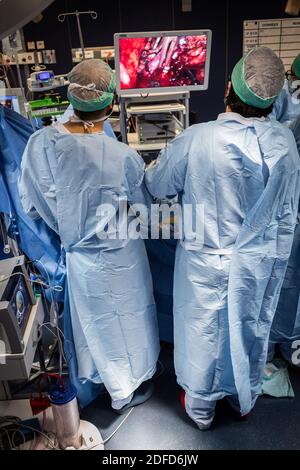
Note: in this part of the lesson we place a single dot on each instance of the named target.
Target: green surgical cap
(92, 86)
(258, 78)
(296, 66)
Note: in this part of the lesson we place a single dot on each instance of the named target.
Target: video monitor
(12, 98)
(162, 61)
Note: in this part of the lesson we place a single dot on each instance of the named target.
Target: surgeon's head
(293, 75)
(91, 89)
(256, 81)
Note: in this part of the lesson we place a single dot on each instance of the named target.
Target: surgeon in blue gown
(286, 326)
(287, 106)
(74, 177)
(244, 170)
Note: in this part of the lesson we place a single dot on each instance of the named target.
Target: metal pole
(80, 34)
(93, 14)
(20, 79)
(123, 120)
(187, 111)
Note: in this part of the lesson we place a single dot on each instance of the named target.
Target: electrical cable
(61, 350)
(36, 442)
(118, 427)
(18, 423)
(55, 307)
(47, 328)
(7, 435)
(55, 288)
(131, 410)
(13, 438)
(52, 289)
(42, 433)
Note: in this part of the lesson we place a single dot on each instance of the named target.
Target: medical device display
(12, 98)
(161, 61)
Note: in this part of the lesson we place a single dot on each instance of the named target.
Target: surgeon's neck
(228, 109)
(80, 128)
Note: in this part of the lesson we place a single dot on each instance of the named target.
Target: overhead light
(293, 7)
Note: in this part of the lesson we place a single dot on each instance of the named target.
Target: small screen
(44, 76)
(162, 61)
(11, 102)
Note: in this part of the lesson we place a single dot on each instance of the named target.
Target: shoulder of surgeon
(202, 133)
(195, 132)
(279, 129)
(42, 136)
(45, 136)
(196, 129)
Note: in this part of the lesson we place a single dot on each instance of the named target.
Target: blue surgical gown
(286, 109)
(226, 291)
(295, 128)
(33, 236)
(286, 325)
(65, 179)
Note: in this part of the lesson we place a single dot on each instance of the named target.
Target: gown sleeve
(166, 177)
(36, 183)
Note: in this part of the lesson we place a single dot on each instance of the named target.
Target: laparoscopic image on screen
(169, 61)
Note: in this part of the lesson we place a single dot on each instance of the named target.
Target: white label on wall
(281, 35)
(186, 6)
(269, 24)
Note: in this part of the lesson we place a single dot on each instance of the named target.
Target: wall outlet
(8, 60)
(26, 58)
(49, 56)
(40, 44)
(31, 45)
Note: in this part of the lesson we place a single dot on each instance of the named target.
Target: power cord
(55, 288)
(117, 429)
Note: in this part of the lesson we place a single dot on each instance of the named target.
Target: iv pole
(94, 15)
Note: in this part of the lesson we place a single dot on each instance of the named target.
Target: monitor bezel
(161, 90)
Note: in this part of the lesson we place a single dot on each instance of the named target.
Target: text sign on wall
(283, 36)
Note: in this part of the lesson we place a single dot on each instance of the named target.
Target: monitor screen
(160, 61)
(11, 102)
(12, 98)
(44, 76)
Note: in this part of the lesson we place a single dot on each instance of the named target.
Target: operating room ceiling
(15, 14)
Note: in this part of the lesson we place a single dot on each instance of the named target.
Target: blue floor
(161, 424)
